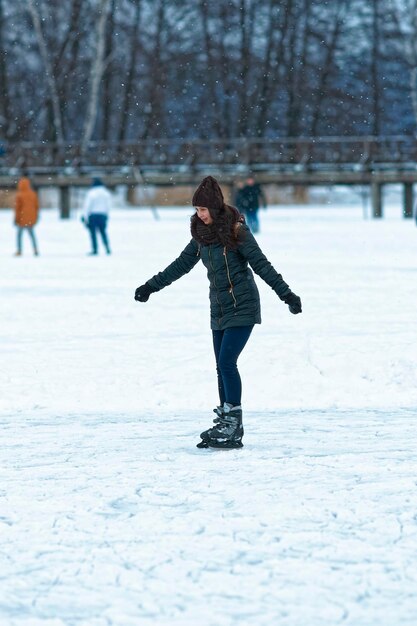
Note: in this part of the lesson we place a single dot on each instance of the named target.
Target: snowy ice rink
(109, 514)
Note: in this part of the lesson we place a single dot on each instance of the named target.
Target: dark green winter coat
(234, 297)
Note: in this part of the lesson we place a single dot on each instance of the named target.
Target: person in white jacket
(95, 214)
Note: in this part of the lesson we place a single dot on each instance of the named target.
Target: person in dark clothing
(239, 197)
(221, 239)
(249, 198)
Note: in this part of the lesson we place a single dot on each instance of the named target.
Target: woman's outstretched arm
(182, 265)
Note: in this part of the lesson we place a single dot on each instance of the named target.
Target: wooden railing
(300, 152)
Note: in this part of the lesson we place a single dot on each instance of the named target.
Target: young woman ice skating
(224, 243)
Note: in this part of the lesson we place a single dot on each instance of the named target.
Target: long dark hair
(223, 230)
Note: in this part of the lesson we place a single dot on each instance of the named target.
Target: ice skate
(228, 430)
(205, 435)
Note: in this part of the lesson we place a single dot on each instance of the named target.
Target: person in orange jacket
(26, 213)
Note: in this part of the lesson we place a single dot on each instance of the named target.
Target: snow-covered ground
(108, 512)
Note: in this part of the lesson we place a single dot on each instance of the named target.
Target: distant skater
(26, 214)
(239, 197)
(95, 214)
(250, 197)
(224, 243)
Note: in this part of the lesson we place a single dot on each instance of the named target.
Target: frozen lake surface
(109, 515)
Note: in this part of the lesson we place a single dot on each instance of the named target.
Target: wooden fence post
(131, 195)
(408, 200)
(64, 202)
(376, 195)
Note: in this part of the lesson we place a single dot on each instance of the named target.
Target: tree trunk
(225, 71)
(210, 63)
(50, 77)
(322, 88)
(4, 91)
(376, 92)
(247, 20)
(108, 96)
(66, 62)
(128, 92)
(96, 74)
(413, 89)
(299, 34)
(408, 15)
(154, 102)
(279, 18)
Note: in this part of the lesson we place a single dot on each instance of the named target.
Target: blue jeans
(252, 221)
(228, 344)
(31, 233)
(97, 222)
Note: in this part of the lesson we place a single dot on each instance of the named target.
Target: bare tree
(128, 90)
(404, 13)
(331, 43)
(4, 91)
(50, 76)
(157, 75)
(196, 68)
(278, 20)
(109, 73)
(246, 27)
(98, 66)
(296, 63)
(211, 63)
(69, 59)
(375, 53)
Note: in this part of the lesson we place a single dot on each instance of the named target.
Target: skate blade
(227, 445)
(202, 444)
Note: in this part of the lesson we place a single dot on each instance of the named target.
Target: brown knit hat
(209, 194)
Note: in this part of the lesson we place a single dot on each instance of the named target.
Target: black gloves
(143, 292)
(294, 302)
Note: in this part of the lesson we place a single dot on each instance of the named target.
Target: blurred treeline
(125, 70)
